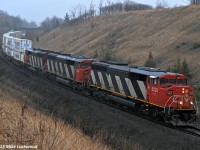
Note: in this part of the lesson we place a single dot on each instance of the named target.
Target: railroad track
(191, 130)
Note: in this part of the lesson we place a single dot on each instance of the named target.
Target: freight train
(155, 92)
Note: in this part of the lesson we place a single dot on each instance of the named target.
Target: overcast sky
(38, 10)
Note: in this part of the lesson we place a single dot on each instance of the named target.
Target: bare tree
(85, 12)
(51, 23)
(194, 2)
(108, 5)
(73, 12)
(161, 4)
(80, 8)
(92, 10)
(100, 6)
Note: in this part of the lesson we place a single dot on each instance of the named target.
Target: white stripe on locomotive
(66, 70)
(33, 64)
(48, 65)
(41, 63)
(61, 69)
(110, 82)
(30, 60)
(72, 69)
(52, 66)
(119, 84)
(93, 78)
(101, 80)
(142, 88)
(130, 87)
(33, 60)
(38, 62)
(56, 68)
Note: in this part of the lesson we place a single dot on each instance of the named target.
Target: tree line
(180, 66)
(50, 23)
(194, 2)
(81, 12)
(8, 21)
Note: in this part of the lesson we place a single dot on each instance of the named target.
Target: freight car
(158, 93)
(14, 45)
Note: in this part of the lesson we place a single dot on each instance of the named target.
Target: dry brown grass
(22, 125)
(131, 35)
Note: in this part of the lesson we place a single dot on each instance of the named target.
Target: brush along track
(191, 130)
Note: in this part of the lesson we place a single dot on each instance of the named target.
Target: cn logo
(153, 89)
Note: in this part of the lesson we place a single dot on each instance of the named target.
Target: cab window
(148, 80)
(163, 81)
(173, 81)
(154, 81)
(179, 81)
(182, 81)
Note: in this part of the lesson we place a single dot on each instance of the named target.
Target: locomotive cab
(82, 71)
(171, 93)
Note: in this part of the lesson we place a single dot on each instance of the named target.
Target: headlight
(183, 90)
(181, 102)
(191, 103)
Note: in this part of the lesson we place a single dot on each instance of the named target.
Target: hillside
(168, 33)
(21, 124)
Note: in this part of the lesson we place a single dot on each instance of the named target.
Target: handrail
(196, 106)
(167, 103)
(86, 79)
(174, 99)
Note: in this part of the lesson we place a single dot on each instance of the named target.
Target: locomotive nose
(186, 97)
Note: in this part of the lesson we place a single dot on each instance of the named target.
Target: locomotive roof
(105, 66)
(35, 51)
(148, 71)
(68, 57)
(114, 63)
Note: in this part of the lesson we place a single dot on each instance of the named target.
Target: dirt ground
(117, 129)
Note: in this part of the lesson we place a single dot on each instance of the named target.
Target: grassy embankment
(22, 125)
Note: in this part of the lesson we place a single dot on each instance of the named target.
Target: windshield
(164, 81)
